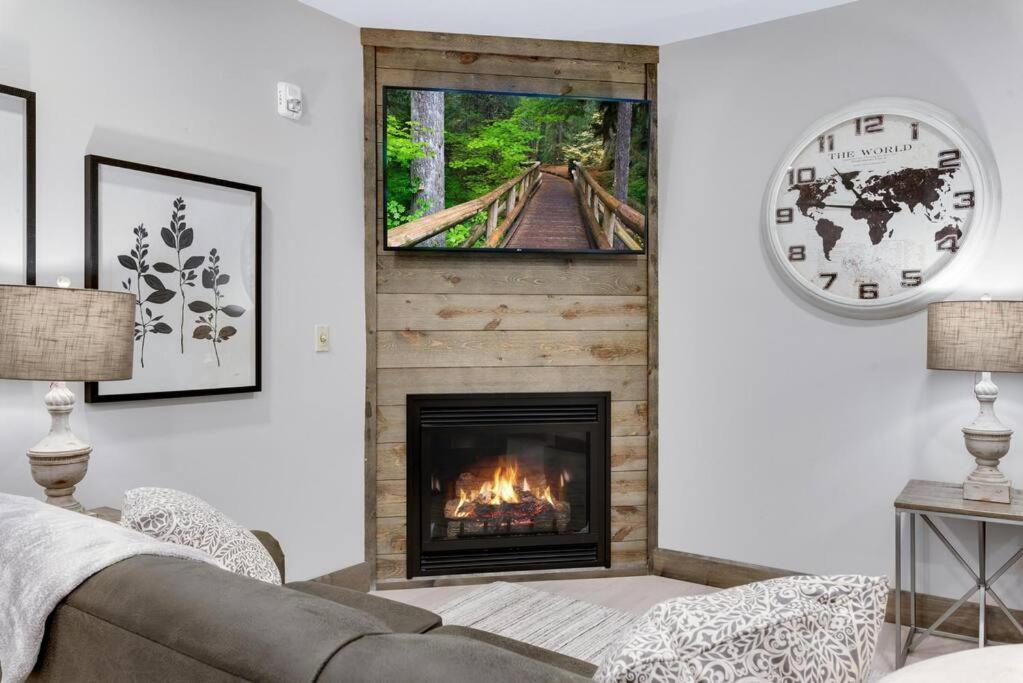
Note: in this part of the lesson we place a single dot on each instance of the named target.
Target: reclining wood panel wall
(518, 322)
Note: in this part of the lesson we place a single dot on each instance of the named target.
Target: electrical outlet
(322, 338)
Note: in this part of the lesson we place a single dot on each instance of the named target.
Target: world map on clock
(878, 199)
(871, 206)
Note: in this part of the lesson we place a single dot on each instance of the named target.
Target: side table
(926, 499)
(107, 513)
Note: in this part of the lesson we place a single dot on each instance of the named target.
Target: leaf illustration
(185, 238)
(192, 263)
(168, 238)
(208, 324)
(162, 267)
(161, 296)
(153, 281)
(145, 323)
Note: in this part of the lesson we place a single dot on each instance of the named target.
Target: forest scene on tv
(472, 170)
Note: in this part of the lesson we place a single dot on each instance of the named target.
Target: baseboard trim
(357, 577)
(712, 571)
(512, 577)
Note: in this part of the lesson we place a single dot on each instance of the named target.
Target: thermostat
(289, 100)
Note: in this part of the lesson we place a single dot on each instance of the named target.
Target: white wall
(191, 85)
(786, 433)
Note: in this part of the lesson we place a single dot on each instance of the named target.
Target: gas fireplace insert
(508, 482)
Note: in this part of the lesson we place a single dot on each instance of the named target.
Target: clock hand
(848, 184)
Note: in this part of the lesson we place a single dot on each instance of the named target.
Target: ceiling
(649, 22)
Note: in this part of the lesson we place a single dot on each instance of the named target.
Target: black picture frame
(30, 177)
(92, 228)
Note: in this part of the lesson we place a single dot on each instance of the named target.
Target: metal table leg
(982, 584)
(898, 589)
(912, 582)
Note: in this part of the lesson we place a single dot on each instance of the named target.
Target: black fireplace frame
(504, 554)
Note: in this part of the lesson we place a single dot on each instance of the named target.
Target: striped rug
(572, 627)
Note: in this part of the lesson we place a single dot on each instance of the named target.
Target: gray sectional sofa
(162, 619)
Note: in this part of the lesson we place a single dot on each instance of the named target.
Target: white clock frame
(975, 154)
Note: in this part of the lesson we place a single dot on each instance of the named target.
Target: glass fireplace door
(494, 483)
(507, 482)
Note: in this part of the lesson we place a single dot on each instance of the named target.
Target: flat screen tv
(508, 172)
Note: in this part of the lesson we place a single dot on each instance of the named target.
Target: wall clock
(881, 208)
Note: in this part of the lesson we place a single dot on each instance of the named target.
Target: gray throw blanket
(45, 553)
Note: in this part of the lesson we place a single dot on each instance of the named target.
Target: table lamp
(981, 336)
(63, 335)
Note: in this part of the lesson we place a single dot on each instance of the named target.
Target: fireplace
(507, 482)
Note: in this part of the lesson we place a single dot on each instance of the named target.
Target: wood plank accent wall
(507, 322)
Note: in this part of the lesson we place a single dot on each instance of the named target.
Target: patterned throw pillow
(181, 518)
(805, 629)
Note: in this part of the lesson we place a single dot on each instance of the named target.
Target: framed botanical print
(188, 247)
(17, 186)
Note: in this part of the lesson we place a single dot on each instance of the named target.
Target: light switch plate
(322, 338)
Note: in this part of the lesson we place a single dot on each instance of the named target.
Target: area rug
(572, 627)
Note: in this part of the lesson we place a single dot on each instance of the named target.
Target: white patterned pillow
(182, 518)
(803, 629)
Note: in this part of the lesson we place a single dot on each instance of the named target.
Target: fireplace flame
(505, 486)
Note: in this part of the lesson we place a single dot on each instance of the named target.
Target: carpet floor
(634, 595)
(572, 627)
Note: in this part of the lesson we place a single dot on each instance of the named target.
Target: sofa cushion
(398, 616)
(245, 628)
(1001, 664)
(184, 519)
(268, 541)
(428, 658)
(576, 666)
(798, 628)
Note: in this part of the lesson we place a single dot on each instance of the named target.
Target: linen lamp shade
(62, 334)
(981, 336)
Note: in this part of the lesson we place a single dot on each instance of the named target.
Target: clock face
(870, 209)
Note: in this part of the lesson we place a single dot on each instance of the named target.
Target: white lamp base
(987, 440)
(59, 462)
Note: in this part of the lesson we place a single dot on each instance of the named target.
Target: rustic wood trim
(628, 523)
(629, 418)
(409, 78)
(463, 349)
(508, 323)
(653, 340)
(509, 274)
(628, 488)
(963, 622)
(510, 65)
(629, 453)
(534, 47)
(532, 312)
(628, 554)
(369, 265)
(711, 571)
(391, 535)
(358, 577)
(627, 381)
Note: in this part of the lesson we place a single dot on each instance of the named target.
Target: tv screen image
(467, 170)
